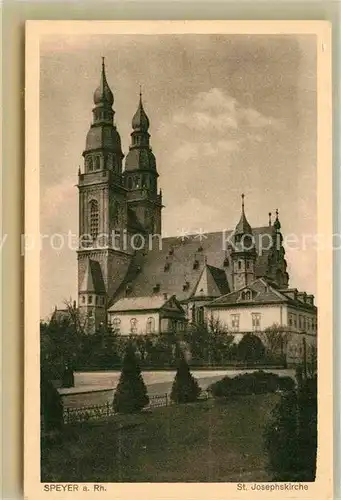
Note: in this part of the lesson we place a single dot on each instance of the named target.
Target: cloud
(215, 109)
(215, 124)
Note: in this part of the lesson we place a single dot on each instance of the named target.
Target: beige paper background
(322, 488)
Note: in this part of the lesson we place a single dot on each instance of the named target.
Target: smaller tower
(244, 253)
(140, 175)
(277, 265)
(92, 297)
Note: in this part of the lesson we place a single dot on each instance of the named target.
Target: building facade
(127, 272)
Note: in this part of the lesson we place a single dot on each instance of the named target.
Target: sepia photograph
(178, 285)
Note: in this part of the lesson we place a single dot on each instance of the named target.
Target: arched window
(97, 163)
(150, 325)
(239, 264)
(89, 164)
(94, 219)
(133, 325)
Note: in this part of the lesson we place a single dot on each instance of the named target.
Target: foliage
(258, 382)
(209, 342)
(286, 383)
(185, 388)
(248, 383)
(251, 349)
(291, 434)
(131, 392)
(275, 339)
(51, 405)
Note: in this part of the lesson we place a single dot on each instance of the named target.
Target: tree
(131, 393)
(185, 388)
(209, 342)
(275, 339)
(291, 434)
(250, 348)
(51, 406)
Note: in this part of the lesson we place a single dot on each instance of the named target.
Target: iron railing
(97, 412)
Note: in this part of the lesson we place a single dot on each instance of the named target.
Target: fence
(97, 412)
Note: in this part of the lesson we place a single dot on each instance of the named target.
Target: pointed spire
(103, 94)
(140, 122)
(270, 219)
(277, 224)
(243, 227)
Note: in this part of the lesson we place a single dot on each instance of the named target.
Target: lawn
(198, 442)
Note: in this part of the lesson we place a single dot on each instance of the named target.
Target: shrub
(259, 382)
(286, 384)
(291, 434)
(51, 406)
(131, 393)
(185, 388)
(250, 349)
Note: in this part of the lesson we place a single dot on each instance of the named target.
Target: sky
(229, 114)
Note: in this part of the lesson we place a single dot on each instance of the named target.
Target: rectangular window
(256, 321)
(90, 299)
(235, 322)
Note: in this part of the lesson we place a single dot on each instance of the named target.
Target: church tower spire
(102, 209)
(140, 174)
(244, 252)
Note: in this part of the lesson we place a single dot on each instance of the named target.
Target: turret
(244, 252)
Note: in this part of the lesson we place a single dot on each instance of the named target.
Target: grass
(197, 442)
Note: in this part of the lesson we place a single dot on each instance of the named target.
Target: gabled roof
(60, 315)
(185, 259)
(154, 302)
(212, 283)
(262, 292)
(93, 278)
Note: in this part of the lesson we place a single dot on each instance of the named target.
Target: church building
(140, 283)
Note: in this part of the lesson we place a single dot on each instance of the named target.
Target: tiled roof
(211, 283)
(60, 315)
(179, 264)
(93, 278)
(140, 303)
(264, 291)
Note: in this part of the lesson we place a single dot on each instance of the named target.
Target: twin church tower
(114, 201)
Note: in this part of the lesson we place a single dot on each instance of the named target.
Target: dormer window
(195, 264)
(171, 251)
(156, 288)
(246, 295)
(185, 286)
(200, 249)
(167, 266)
(128, 290)
(226, 262)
